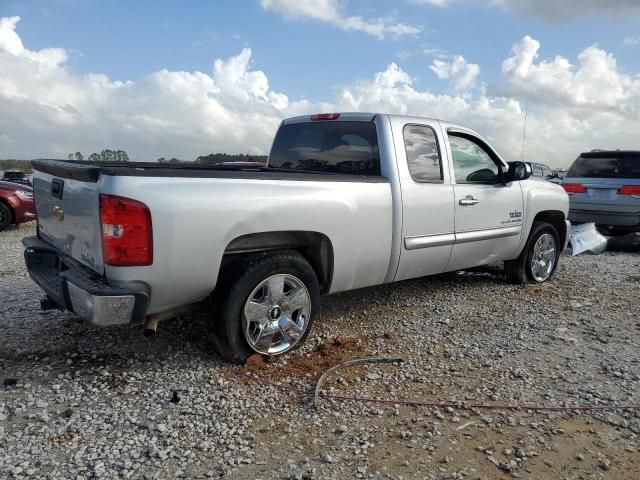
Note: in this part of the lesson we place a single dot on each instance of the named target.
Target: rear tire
(537, 262)
(264, 304)
(6, 216)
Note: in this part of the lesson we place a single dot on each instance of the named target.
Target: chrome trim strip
(476, 235)
(426, 241)
(414, 243)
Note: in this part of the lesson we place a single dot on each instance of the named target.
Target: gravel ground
(83, 402)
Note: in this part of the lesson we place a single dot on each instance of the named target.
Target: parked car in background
(15, 176)
(540, 170)
(346, 201)
(560, 173)
(16, 204)
(604, 188)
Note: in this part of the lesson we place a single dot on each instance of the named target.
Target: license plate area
(602, 193)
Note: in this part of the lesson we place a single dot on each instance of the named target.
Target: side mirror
(518, 171)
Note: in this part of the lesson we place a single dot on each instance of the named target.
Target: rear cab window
(606, 165)
(423, 154)
(327, 147)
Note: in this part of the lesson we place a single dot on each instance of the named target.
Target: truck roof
(368, 117)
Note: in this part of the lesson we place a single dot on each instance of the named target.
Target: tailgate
(68, 209)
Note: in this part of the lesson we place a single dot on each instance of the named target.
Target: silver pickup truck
(345, 201)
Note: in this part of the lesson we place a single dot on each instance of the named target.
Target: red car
(16, 204)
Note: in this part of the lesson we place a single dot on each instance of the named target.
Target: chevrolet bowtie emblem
(58, 213)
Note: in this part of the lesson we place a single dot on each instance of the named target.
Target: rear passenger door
(427, 198)
(488, 213)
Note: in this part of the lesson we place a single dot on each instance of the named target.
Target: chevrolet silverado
(345, 201)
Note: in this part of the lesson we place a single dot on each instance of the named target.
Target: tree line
(226, 157)
(104, 156)
(218, 158)
(14, 164)
(122, 156)
(212, 158)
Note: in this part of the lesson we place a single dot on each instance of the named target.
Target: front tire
(264, 304)
(538, 260)
(6, 216)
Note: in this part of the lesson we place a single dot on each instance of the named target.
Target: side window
(423, 153)
(471, 163)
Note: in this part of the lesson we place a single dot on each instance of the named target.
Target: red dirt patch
(314, 363)
(255, 362)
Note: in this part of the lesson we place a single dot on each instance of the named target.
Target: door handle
(57, 188)
(468, 201)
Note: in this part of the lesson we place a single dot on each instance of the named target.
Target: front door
(488, 214)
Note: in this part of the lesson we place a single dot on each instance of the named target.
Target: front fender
(543, 198)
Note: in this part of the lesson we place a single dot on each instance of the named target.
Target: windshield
(606, 165)
(330, 147)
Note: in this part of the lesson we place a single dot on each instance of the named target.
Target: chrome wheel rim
(544, 257)
(276, 314)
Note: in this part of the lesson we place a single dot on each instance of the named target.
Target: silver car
(604, 188)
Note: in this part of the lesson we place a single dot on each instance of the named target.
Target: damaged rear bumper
(74, 287)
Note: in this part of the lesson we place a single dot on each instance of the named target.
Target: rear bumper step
(605, 218)
(74, 287)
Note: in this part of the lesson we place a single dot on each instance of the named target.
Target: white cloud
(595, 84)
(326, 10)
(46, 110)
(554, 11)
(554, 134)
(435, 3)
(435, 52)
(9, 40)
(631, 42)
(11, 43)
(562, 10)
(330, 11)
(462, 74)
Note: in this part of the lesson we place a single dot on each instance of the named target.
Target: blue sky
(127, 40)
(168, 78)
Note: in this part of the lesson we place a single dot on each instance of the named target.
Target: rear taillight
(573, 187)
(630, 190)
(325, 116)
(127, 236)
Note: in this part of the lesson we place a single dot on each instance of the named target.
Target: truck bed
(90, 172)
(203, 209)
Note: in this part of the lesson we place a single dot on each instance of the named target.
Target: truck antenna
(524, 131)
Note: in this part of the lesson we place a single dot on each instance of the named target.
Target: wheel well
(11, 212)
(555, 218)
(315, 247)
